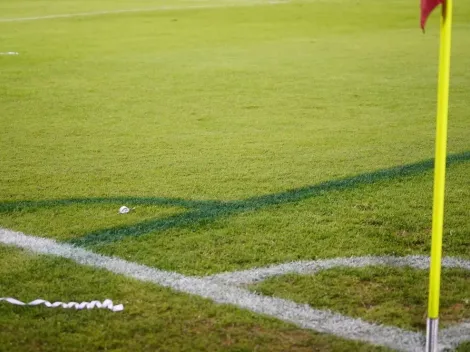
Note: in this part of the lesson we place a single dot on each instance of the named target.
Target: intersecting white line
(142, 10)
(252, 276)
(215, 289)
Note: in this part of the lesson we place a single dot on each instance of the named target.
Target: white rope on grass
(107, 304)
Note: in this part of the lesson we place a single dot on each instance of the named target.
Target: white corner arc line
(300, 314)
(455, 335)
(143, 10)
(255, 275)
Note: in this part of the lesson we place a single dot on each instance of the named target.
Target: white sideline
(299, 314)
(142, 10)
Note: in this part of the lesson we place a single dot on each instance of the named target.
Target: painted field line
(252, 276)
(299, 314)
(455, 335)
(212, 288)
(143, 10)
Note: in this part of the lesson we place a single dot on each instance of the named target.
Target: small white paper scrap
(107, 304)
(124, 210)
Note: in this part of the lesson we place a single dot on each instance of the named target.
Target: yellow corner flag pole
(439, 178)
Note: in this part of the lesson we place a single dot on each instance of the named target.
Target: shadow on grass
(203, 212)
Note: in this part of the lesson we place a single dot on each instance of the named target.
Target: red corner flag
(427, 6)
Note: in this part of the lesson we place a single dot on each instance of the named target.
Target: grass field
(244, 134)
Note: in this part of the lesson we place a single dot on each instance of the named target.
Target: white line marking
(252, 276)
(10, 53)
(300, 314)
(455, 335)
(142, 10)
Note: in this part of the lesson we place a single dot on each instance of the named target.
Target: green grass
(372, 294)
(35, 8)
(154, 318)
(226, 129)
(66, 221)
(391, 217)
(122, 109)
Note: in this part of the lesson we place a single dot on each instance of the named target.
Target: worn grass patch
(391, 296)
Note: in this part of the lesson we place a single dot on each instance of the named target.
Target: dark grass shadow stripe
(200, 213)
(207, 212)
(298, 194)
(28, 205)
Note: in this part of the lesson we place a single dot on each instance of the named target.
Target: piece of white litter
(10, 53)
(107, 304)
(124, 210)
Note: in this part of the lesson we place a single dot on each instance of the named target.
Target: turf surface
(154, 318)
(229, 129)
(373, 295)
